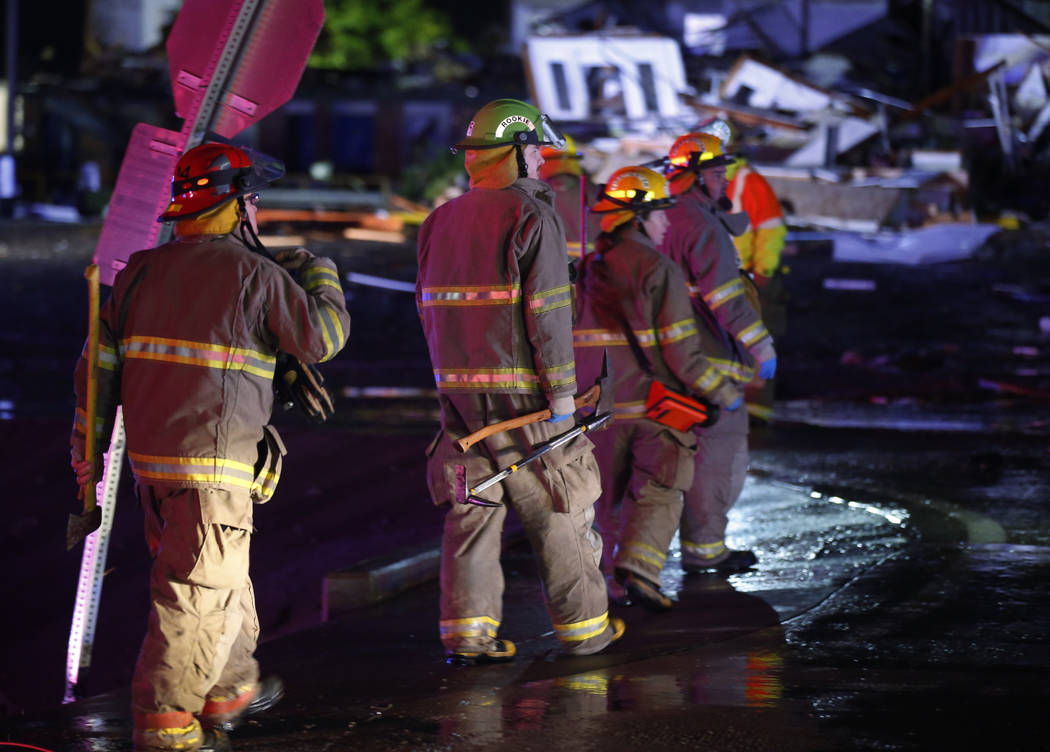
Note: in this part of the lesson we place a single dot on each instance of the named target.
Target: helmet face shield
(264, 170)
(552, 134)
(718, 128)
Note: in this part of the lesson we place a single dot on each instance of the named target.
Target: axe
(603, 412)
(601, 387)
(80, 526)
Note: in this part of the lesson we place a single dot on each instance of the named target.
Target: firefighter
(572, 187)
(700, 242)
(760, 249)
(189, 339)
(494, 297)
(634, 304)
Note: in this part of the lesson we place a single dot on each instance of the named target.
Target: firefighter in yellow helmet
(633, 303)
(561, 170)
(700, 242)
(189, 341)
(495, 301)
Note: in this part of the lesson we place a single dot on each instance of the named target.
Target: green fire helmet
(510, 122)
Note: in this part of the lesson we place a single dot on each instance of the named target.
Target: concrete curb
(379, 579)
(906, 416)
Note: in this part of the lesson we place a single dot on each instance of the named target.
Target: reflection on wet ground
(720, 670)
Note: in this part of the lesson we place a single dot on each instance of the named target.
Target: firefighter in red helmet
(190, 336)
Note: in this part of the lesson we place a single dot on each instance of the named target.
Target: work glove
(293, 258)
(300, 385)
(735, 404)
(562, 407)
(768, 369)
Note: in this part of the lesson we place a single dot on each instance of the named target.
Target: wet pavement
(852, 633)
(900, 602)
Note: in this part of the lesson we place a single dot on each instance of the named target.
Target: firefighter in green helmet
(495, 301)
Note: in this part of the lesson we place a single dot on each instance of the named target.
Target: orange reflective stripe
(483, 378)
(187, 352)
(549, 300)
(470, 295)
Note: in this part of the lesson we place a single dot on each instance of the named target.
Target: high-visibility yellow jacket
(493, 293)
(633, 303)
(761, 246)
(188, 340)
(699, 241)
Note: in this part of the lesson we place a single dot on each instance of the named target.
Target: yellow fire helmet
(631, 192)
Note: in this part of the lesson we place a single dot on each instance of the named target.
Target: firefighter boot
(729, 562)
(229, 714)
(166, 740)
(502, 651)
(215, 741)
(643, 591)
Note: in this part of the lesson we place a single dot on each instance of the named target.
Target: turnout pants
(554, 499)
(645, 469)
(721, 468)
(197, 659)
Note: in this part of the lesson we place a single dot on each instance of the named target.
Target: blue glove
(768, 369)
(563, 406)
(736, 404)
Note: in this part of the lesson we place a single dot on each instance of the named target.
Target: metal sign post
(232, 62)
(93, 565)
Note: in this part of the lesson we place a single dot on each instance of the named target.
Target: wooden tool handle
(91, 398)
(590, 397)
